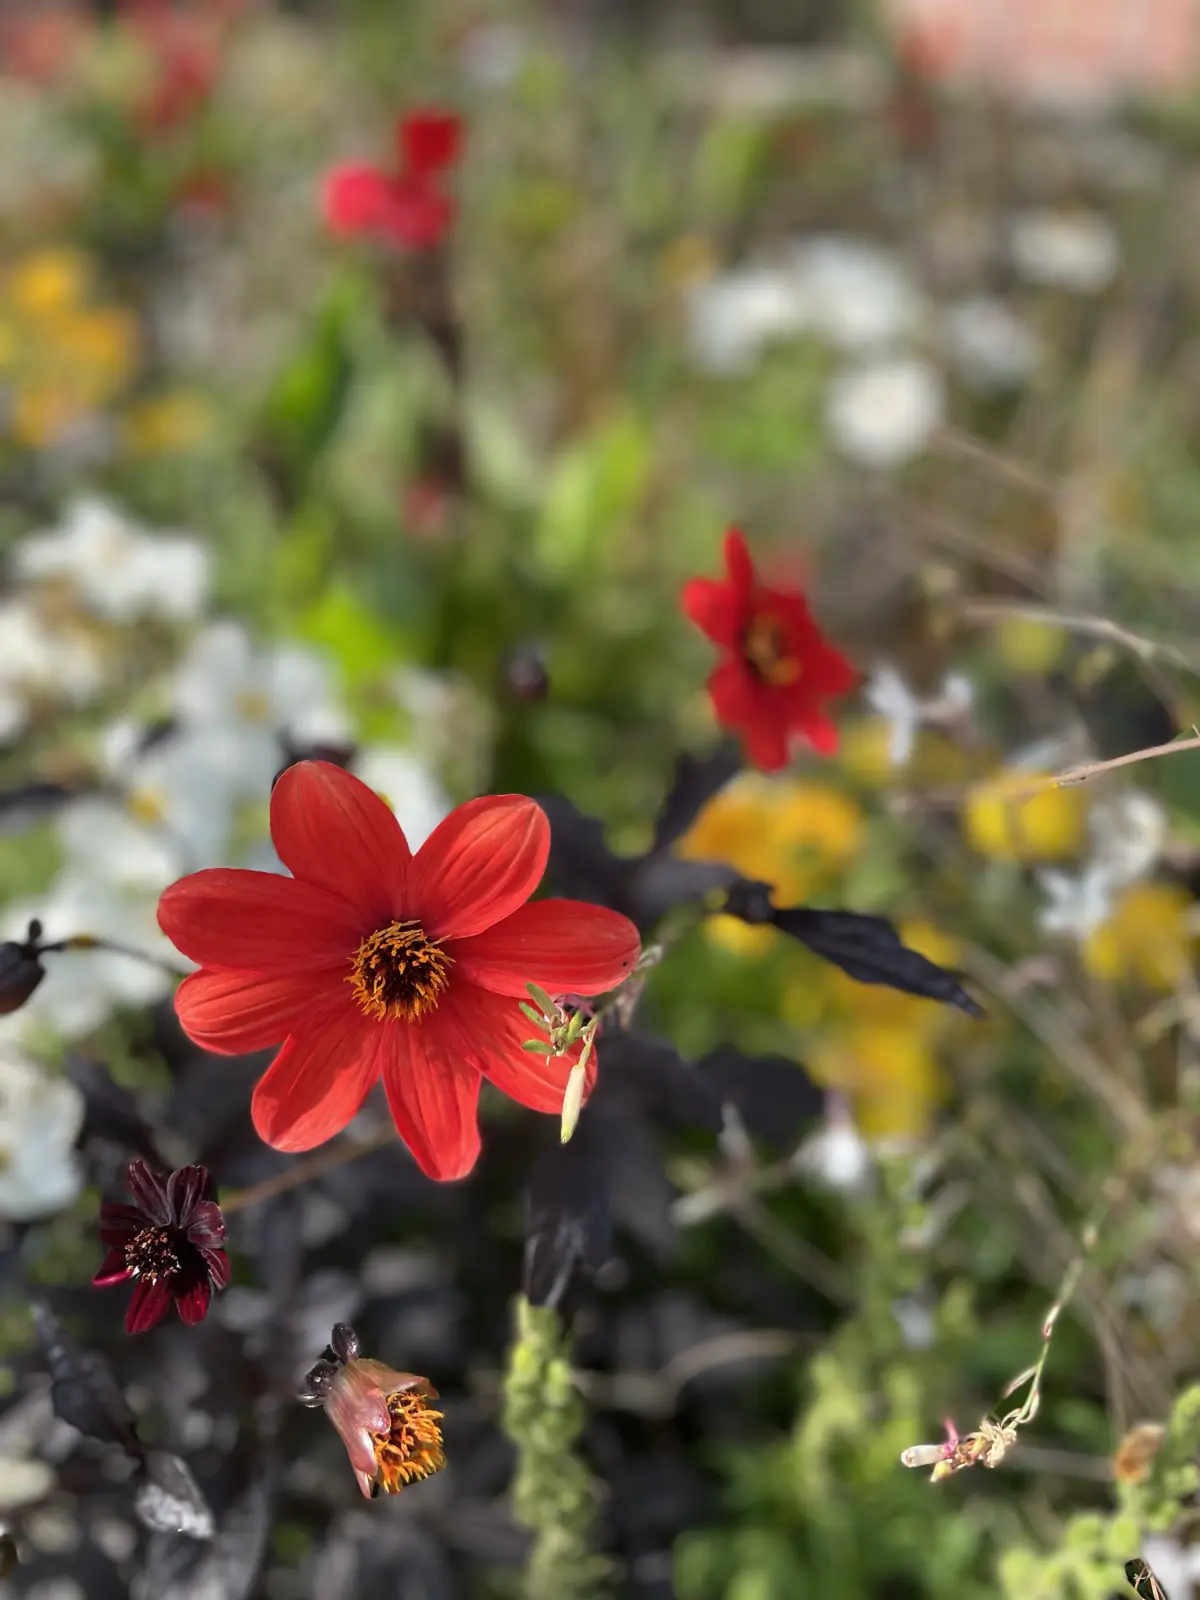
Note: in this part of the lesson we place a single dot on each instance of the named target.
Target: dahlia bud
(21, 969)
(391, 1432)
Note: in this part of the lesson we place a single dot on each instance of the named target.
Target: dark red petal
(216, 1264)
(119, 1223)
(429, 140)
(717, 609)
(207, 1226)
(331, 830)
(478, 865)
(354, 198)
(739, 567)
(113, 1269)
(433, 1091)
(820, 732)
(320, 1078)
(184, 1188)
(230, 1013)
(566, 946)
(233, 920)
(193, 1302)
(148, 1305)
(489, 1030)
(149, 1191)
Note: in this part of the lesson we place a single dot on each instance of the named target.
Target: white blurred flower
(44, 660)
(1076, 904)
(408, 786)
(889, 695)
(884, 413)
(836, 1155)
(732, 317)
(183, 787)
(40, 1119)
(453, 725)
(102, 841)
(1065, 249)
(120, 570)
(1128, 835)
(990, 347)
(493, 53)
(854, 294)
(242, 700)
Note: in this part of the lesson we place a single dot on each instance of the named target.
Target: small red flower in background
(371, 962)
(405, 207)
(778, 669)
(170, 1242)
(185, 45)
(40, 45)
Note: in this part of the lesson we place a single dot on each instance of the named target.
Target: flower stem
(314, 1166)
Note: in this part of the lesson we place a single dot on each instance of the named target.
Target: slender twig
(314, 1166)
(954, 442)
(1092, 769)
(975, 609)
(93, 941)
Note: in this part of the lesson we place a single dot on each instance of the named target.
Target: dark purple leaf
(82, 1386)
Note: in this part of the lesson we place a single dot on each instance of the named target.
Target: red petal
(566, 946)
(148, 1305)
(119, 1223)
(320, 1078)
(184, 1188)
(820, 732)
(429, 140)
(432, 1087)
(735, 693)
(717, 609)
(332, 831)
(478, 866)
(217, 1263)
(193, 1303)
(739, 567)
(232, 1012)
(112, 1270)
(206, 1229)
(148, 1190)
(354, 198)
(230, 919)
(767, 743)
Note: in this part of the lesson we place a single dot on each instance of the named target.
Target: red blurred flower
(778, 668)
(170, 1242)
(407, 206)
(371, 962)
(185, 45)
(40, 45)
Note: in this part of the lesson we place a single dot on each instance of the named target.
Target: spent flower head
(391, 1431)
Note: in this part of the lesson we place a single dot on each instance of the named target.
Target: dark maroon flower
(170, 1242)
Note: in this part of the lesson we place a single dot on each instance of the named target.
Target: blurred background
(908, 292)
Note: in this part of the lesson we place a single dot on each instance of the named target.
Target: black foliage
(866, 948)
(642, 887)
(82, 1386)
(168, 1498)
(29, 803)
(611, 1170)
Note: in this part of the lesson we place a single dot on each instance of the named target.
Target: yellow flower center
(252, 705)
(412, 1449)
(399, 972)
(763, 647)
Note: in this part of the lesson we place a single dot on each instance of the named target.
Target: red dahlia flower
(170, 1242)
(404, 207)
(371, 962)
(778, 667)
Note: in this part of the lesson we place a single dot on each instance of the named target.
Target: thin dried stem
(314, 1166)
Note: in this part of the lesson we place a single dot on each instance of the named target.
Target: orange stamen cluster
(764, 648)
(151, 1255)
(399, 972)
(412, 1450)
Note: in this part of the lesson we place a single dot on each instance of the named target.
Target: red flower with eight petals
(779, 667)
(371, 962)
(170, 1242)
(405, 207)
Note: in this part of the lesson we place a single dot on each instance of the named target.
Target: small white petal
(1065, 249)
(883, 414)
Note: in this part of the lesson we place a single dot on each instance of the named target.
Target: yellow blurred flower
(892, 1077)
(1024, 644)
(61, 357)
(166, 425)
(1009, 819)
(1146, 940)
(785, 832)
(865, 751)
